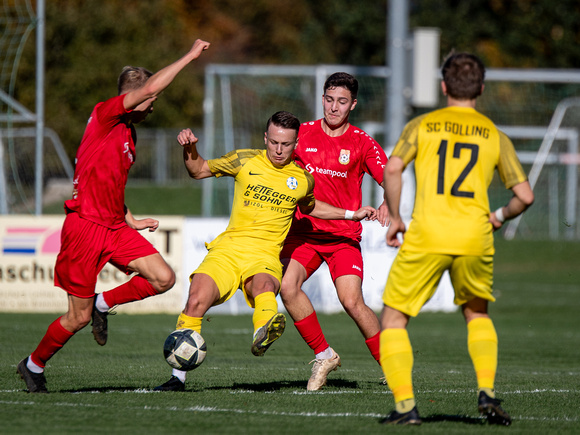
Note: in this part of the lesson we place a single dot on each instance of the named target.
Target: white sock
(180, 374)
(101, 304)
(325, 354)
(33, 367)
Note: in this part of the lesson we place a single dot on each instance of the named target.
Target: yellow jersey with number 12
(456, 150)
(265, 198)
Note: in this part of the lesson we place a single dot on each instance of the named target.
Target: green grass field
(108, 389)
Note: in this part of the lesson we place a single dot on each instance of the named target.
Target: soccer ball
(184, 349)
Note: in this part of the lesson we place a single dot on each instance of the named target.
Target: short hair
(285, 120)
(342, 80)
(131, 78)
(463, 74)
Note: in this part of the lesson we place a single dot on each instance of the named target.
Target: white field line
(212, 409)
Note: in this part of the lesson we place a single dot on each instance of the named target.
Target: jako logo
(311, 150)
(354, 266)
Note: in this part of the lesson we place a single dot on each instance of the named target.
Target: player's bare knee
(165, 280)
(353, 305)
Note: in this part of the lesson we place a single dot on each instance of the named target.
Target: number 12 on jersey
(473, 149)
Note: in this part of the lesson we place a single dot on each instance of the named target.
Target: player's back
(457, 150)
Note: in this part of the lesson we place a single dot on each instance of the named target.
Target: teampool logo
(292, 183)
(331, 172)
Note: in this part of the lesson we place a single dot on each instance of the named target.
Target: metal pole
(398, 23)
(39, 108)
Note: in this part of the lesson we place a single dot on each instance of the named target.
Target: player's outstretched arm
(393, 185)
(522, 199)
(163, 78)
(140, 224)
(323, 210)
(195, 164)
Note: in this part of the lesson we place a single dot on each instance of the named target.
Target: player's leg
(31, 369)
(268, 323)
(301, 259)
(203, 294)
(77, 265)
(397, 364)
(349, 291)
(131, 252)
(412, 281)
(472, 279)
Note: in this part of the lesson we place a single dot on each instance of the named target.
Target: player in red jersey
(98, 227)
(338, 155)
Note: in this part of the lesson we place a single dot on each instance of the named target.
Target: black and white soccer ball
(184, 349)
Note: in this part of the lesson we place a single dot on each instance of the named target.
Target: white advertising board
(30, 244)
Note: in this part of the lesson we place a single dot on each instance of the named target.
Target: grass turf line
(108, 388)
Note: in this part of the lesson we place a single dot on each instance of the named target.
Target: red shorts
(343, 258)
(85, 248)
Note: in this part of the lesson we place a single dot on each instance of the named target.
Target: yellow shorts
(414, 277)
(230, 267)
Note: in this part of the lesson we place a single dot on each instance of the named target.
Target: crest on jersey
(292, 183)
(344, 157)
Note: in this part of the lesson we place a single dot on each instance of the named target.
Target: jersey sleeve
(308, 200)
(375, 160)
(406, 147)
(110, 112)
(231, 163)
(509, 167)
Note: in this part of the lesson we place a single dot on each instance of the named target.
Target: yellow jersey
(265, 198)
(456, 150)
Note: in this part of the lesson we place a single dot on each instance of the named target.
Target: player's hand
(397, 226)
(383, 214)
(141, 224)
(494, 222)
(186, 137)
(198, 47)
(368, 213)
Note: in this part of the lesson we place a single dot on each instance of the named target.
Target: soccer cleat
(99, 324)
(268, 334)
(407, 418)
(489, 407)
(35, 382)
(173, 384)
(320, 370)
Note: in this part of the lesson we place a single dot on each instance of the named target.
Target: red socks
(311, 332)
(136, 289)
(54, 339)
(374, 345)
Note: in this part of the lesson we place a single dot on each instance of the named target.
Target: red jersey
(103, 160)
(338, 165)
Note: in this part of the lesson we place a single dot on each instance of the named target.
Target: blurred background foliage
(88, 43)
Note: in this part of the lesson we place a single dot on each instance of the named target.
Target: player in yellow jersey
(268, 188)
(456, 150)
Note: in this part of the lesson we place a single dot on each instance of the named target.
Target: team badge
(292, 183)
(344, 157)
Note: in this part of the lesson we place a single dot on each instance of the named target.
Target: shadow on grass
(278, 385)
(436, 418)
(246, 386)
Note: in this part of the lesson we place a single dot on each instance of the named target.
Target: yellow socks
(265, 307)
(186, 322)
(397, 365)
(482, 347)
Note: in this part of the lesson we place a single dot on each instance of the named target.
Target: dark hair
(132, 78)
(285, 120)
(342, 80)
(463, 74)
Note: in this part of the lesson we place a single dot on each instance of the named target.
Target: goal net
(18, 148)
(240, 98)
